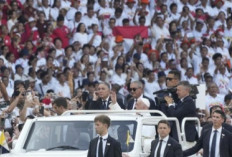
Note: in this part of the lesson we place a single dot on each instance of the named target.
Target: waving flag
(3, 145)
(131, 31)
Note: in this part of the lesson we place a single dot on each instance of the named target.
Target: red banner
(131, 31)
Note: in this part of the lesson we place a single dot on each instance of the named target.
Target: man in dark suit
(104, 145)
(209, 124)
(102, 98)
(165, 146)
(215, 141)
(136, 89)
(185, 108)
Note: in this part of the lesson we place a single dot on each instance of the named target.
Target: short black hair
(164, 122)
(60, 18)
(205, 59)
(228, 97)
(103, 119)
(176, 73)
(217, 55)
(118, 10)
(106, 84)
(173, 5)
(61, 101)
(223, 115)
(125, 20)
(43, 74)
(20, 127)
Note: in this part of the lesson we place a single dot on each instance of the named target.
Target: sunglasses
(169, 79)
(133, 89)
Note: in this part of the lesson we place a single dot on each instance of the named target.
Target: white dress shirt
(63, 90)
(217, 151)
(104, 141)
(164, 143)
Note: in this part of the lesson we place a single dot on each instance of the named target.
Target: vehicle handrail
(113, 111)
(189, 119)
(179, 132)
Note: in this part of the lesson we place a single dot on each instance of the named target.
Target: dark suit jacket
(187, 108)
(113, 148)
(225, 144)
(131, 103)
(173, 148)
(97, 105)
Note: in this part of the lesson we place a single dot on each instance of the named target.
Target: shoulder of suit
(172, 140)
(94, 139)
(207, 128)
(227, 127)
(188, 98)
(225, 131)
(111, 139)
(153, 141)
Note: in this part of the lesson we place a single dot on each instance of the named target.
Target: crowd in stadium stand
(79, 49)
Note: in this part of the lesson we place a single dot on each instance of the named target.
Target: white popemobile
(69, 136)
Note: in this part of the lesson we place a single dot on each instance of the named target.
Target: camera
(164, 92)
(160, 99)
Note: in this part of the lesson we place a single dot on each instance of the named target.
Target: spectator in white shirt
(118, 15)
(90, 19)
(95, 38)
(119, 77)
(71, 12)
(54, 13)
(150, 85)
(130, 9)
(213, 98)
(20, 73)
(9, 89)
(228, 29)
(65, 4)
(190, 77)
(45, 84)
(13, 20)
(173, 13)
(81, 34)
(46, 9)
(159, 30)
(62, 87)
(198, 32)
(73, 24)
(221, 79)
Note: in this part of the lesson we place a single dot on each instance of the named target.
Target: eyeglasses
(169, 79)
(133, 89)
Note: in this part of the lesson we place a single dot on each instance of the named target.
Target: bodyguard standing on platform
(165, 146)
(104, 145)
(215, 141)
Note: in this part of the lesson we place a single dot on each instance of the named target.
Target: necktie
(104, 104)
(159, 148)
(135, 101)
(213, 146)
(100, 148)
